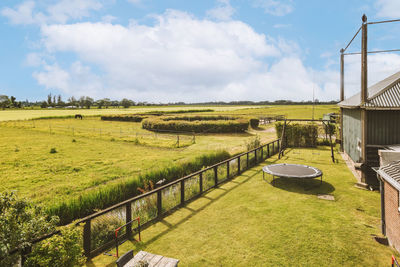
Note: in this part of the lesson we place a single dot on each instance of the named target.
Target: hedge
(298, 135)
(125, 117)
(254, 123)
(197, 124)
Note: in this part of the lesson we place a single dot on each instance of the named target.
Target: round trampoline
(292, 171)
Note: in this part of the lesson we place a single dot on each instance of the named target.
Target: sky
(162, 51)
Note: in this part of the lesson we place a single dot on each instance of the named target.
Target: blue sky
(192, 51)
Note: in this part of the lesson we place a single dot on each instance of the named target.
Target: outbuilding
(371, 121)
(390, 202)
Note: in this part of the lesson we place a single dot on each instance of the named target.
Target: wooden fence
(164, 199)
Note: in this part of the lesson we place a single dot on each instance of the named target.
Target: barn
(371, 121)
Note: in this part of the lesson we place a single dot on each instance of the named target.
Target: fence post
(227, 170)
(128, 212)
(182, 192)
(201, 182)
(268, 151)
(216, 175)
(255, 157)
(177, 140)
(238, 165)
(247, 160)
(86, 238)
(273, 148)
(159, 203)
(262, 153)
(278, 145)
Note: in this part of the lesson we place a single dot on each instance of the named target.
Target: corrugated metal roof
(391, 173)
(382, 95)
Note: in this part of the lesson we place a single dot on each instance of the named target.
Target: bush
(59, 250)
(103, 229)
(254, 123)
(20, 223)
(256, 142)
(114, 193)
(298, 135)
(53, 150)
(197, 124)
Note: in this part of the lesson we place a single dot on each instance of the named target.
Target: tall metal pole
(364, 94)
(341, 96)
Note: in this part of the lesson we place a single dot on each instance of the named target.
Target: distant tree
(59, 101)
(44, 104)
(107, 102)
(126, 103)
(72, 101)
(100, 103)
(12, 100)
(4, 101)
(49, 100)
(87, 102)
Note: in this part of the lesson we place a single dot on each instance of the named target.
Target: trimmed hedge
(298, 135)
(127, 117)
(163, 112)
(254, 123)
(197, 124)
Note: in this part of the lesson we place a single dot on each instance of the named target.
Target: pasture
(55, 160)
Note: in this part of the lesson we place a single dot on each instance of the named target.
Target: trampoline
(292, 171)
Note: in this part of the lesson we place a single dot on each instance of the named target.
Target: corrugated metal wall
(383, 127)
(351, 132)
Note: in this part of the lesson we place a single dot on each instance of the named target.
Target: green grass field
(92, 154)
(249, 222)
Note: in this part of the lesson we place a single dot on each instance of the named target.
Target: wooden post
(238, 159)
(159, 203)
(87, 238)
(364, 94)
(216, 175)
(128, 212)
(247, 160)
(227, 170)
(262, 153)
(341, 96)
(177, 140)
(282, 140)
(330, 142)
(182, 192)
(255, 157)
(201, 182)
(268, 150)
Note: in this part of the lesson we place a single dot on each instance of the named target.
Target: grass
(249, 222)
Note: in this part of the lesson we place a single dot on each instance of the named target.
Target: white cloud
(275, 7)
(388, 8)
(180, 58)
(61, 12)
(224, 11)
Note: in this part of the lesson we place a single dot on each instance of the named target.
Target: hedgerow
(124, 117)
(112, 194)
(298, 135)
(197, 124)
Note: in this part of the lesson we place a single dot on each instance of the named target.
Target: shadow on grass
(303, 186)
(193, 212)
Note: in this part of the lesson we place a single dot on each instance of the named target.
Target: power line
(373, 52)
(352, 39)
(384, 21)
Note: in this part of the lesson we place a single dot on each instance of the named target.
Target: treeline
(56, 101)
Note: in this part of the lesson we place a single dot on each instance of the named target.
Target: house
(371, 124)
(389, 176)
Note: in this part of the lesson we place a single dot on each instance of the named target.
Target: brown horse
(78, 116)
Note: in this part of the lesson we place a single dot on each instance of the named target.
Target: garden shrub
(197, 124)
(254, 143)
(63, 250)
(254, 123)
(298, 135)
(103, 228)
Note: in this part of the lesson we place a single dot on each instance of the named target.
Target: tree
(72, 101)
(43, 104)
(126, 103)
(88, 102)
(12, 100)
(49, 102)
(4, 101)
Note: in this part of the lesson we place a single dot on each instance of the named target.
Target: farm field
(249, 222)
(92, 154)
(25, 114)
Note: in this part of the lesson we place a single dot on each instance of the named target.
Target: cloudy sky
(190, 50)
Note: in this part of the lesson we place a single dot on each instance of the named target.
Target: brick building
(389, 176)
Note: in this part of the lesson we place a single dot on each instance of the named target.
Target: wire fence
(151, 206)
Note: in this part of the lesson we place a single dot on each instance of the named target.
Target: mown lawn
(249, 222)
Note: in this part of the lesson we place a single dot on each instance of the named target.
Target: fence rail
(154, 205)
